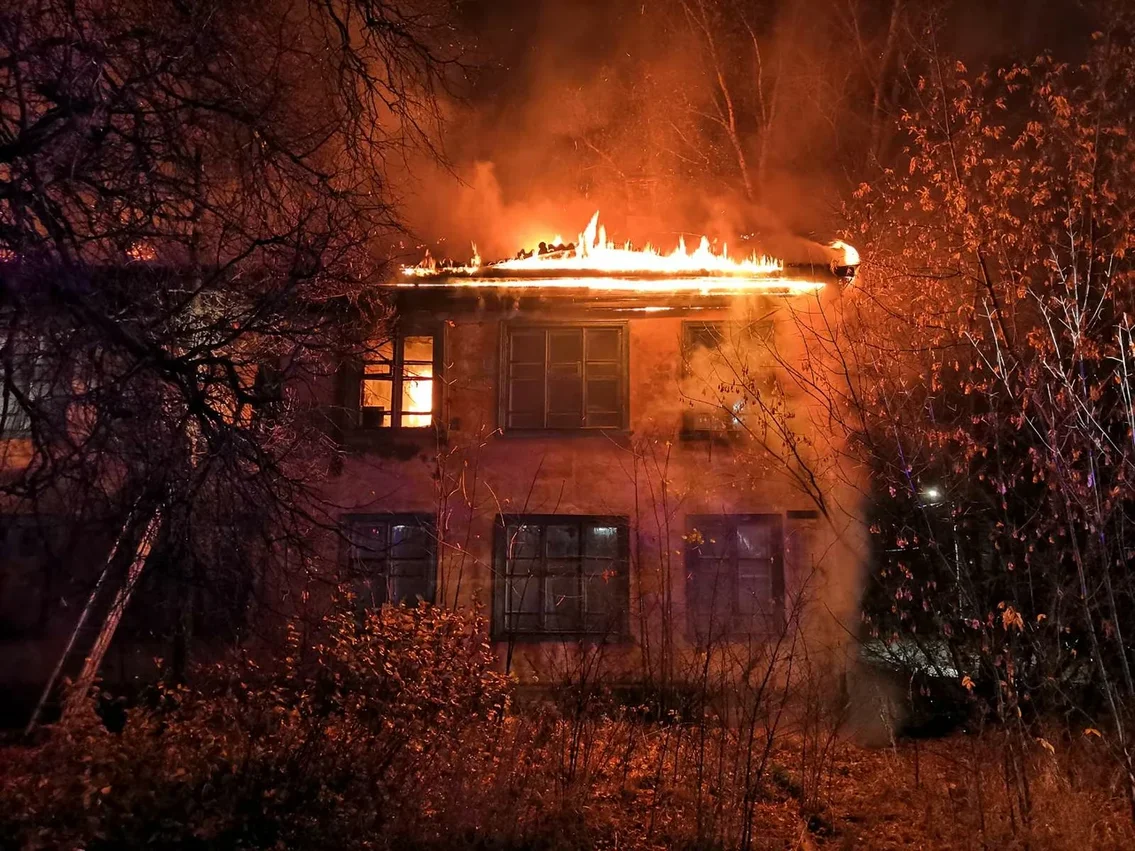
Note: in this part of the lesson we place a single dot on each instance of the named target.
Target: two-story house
(614, 453)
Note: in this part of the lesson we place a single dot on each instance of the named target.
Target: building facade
(620, 481)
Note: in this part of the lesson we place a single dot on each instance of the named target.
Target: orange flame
(594, 262)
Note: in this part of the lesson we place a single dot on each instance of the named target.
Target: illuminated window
(391, 558)
(735, 572)
(561, 575)
(565, 377)
(397, 389)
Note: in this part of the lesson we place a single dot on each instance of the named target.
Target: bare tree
(191, 198)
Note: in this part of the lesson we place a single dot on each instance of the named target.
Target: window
(560, 575)
(397, 387)
(22, 383)
(565, 377)
(734, 572)
(717, 375)
(391, 558)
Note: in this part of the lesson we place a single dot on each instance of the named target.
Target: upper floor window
(398, 386)
(563, 376)
(559, 575)
(720, 371)
(735, 572)
(391, 558)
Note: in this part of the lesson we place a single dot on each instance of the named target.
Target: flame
(593, 252)
(420, 395)
(595, 262)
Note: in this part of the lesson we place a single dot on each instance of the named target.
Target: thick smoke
(579, 106)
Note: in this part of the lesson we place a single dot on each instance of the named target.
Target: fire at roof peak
(594, 262)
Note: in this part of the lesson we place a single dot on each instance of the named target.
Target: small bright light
(932, 493)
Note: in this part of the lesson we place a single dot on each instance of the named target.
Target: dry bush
(391, 729)
(314, 749)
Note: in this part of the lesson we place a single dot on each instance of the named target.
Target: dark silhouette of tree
(193, 196)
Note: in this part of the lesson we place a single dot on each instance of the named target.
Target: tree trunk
(881, 80)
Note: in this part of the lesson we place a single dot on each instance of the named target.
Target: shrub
(319, 748)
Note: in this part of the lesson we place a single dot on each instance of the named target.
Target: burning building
(611, 450)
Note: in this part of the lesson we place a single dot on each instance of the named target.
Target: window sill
(621, 435)
(616, 638)
(723, 438)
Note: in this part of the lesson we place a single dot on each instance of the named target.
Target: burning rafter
(595, 263)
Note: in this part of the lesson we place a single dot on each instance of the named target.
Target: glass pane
(409, 589)
(603, 344)
(565, 396)
(417, 402)
(377, 394)
(419, 349)
(602, 395)
(755, 540)
(526, 420)
(528, 347)
(370, 591)
(523, 542)
(409, 541)
(599, 594)
(527, 396)
(704, 335)
(562, 594)
(378, 369)
(604, 419)
(753, 594)
(714, 541)
(563, 541)
(601, 541)
(714, 587)
(410, 567)
(602, 370)
(528, 372)
(562, 603)
(524, 594)
(383, 351)
(367, 538)
(565, 346)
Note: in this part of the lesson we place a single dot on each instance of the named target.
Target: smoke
(581, 105)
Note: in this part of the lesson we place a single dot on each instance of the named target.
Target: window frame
(617, 628)
(424, 520)
(508, 329)
(397, 337)
(712, 622)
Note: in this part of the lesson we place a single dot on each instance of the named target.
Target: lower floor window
(734, 572)
(560, 575)
(391, 558)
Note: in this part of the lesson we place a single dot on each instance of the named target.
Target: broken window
(397, 388)
(561, 575)
(391, 558)
(735, 572)
(565, 377)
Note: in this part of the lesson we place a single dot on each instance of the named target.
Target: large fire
(594, 262)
